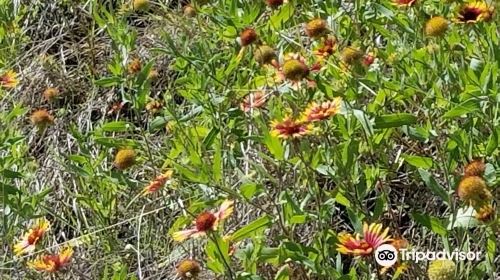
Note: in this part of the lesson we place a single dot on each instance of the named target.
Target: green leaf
(394, 120)
(108, 81)
(251, 228)
(431, 183)
(283, 15)
(465, 218)
(463, 108)
(432, 223)
(193, 176)
(117, 126)
(418, 161)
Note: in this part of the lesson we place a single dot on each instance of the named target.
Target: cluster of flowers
(473, 191)
(27, 244)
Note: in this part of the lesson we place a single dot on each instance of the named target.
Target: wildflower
(154, 106)
(28, 243)
(52, 263)
(295, 70)
(188, 269)
(326, 49)
(474, 12)
(264, 55)
(41, 118)
(350, 55)
(189, 11)
(274, 3)
(436, 26)
(140, 5)
(399, 243)
(485, 213)
(404, 3)
(134, 66)
(157, 183)
(475, 168)
(253, 100)
(368, 59)
(50, 94)
(247, 37)
(318, 112)
(373, 237)
(473, 190)
(441, 270)
(9, 79)
(289, 128)
(205, 222)
(124, 159)
(316, 28)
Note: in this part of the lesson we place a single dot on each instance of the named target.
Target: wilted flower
(326, 49)
(247, 36)
(140, 5)
(9, 79)
(154, 106)
(134, 66)
(28, 242)
(318, 112)
(41, 118)
(52, 263)
(289, 128)
(295, 70)
(350, 55)
(274, 3)
(205, 222)
(316, 28)
(264, 55)
(188, 269)
(473, 190)
(189, 11)
(124, 159)
(441, 270)
(253, 100)
(474, 12)
(404, 3)
(475, 168)
(51, 93)
(436, 26)
(485, 213)
(373, 237)
(157, 183)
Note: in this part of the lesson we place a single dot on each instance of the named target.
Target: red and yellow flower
(28, 242)
(404, 3)
(205, 222)
(326, 49)
(290, 128)
(253, 100)
(318, 112)
(52, 263)
(157, 183)
(9, 79)
(373, 237)
(474, 12)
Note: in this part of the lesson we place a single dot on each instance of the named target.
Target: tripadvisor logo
(387, 255)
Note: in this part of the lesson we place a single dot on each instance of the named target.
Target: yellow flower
(318, 112)
(124, 159)
(264, 55)
(475, 168)
(289, 128)
(373, 237)
(474, 12)
(157, 183)
(28, 242)
(473, 190)
(316, 28)
(205, 222)
(436, 26)
(9, 79)
(52, 263)
(253, 100)
(441, 270)
(41, 118)
(188, 269)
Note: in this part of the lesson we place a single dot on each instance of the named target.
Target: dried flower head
(475, 12)
(153, 74)
(51, 94)
(157, 183)
(473, 190)
(205, 222)
(9, 79)
(436, 26)
(140, 5)
(274, 3)
(289, 128)
(475, 168)
(189, 11)
(373, 237)
(154, 106)
(188, 269)
(134, 66)
(52, 263)
(248, 36)
(41, 118)
(124, 159)
(318, 112)
(441, 270)
(295, 70)
(326, 49)
(485, 213)
(368, 59)
(351, 55)
(253, 100)
(264, 55)
(316, 28)
(29, 240)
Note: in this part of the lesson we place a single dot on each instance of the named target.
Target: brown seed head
(188, 269)
(316, 28)
(124, 159)
(140, 5)
(134, 66)
(274, 3)
(189, 11)
(295, 70)
(473, 190)
(247, 36)
(205, 221)
(436, 26)
(475, 168)
(51, 94)
(41, 118)
(350, 55)
(264, 54)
